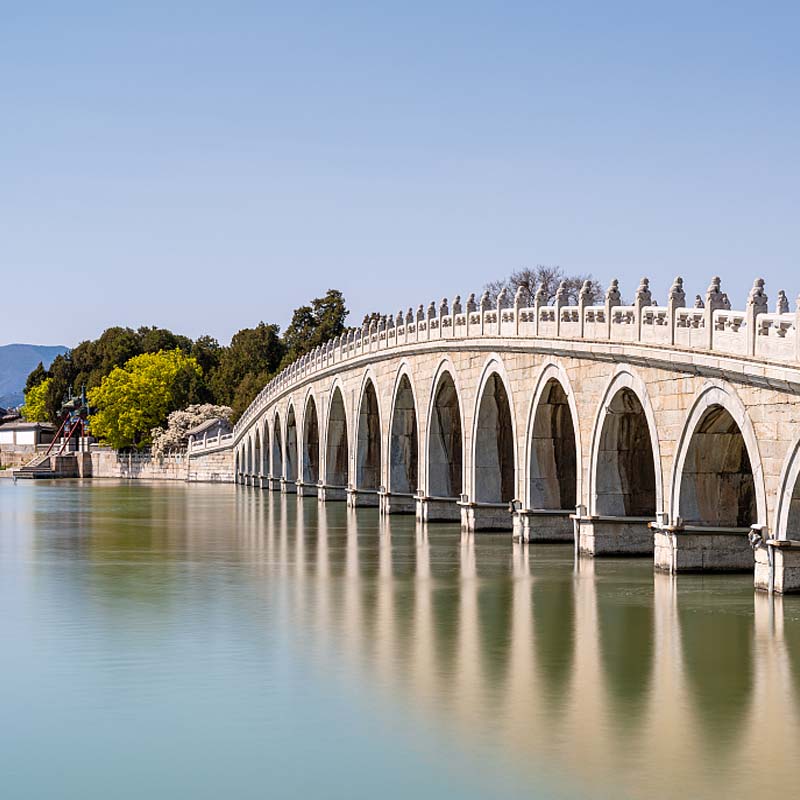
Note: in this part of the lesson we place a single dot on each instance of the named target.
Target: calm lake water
(165, 641)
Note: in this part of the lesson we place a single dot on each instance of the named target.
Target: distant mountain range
(16, 363)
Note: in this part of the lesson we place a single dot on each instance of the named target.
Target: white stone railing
(210, 442)
(710, 326)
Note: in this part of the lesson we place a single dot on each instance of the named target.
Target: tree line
(135, 378)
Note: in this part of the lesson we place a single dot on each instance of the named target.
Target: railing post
(584, 299)
(444, 311)
(502, 296)
(677, 299)
(714, 300)
(519, 304)
(484, 308)
(613, 299)
(756, 305)
(643, 299)
(538, 301)
(562, 299)
(471, 308)
(456, 311)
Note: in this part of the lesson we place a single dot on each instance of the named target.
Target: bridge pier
(485, 516)
(359, 498)
(701, 549)
(274, 484)
(333, 493)
(306, 489)
(396, 502)
(288, 487)
(612, 536)
(777, 566)
(543, 525)
(437, 509)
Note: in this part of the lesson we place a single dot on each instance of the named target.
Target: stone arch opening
(277, 449)
(717, 488)
(236, 464)
(310, 443)
(494, 445)
(368, 446)
(336, 454)
(249, 456)
(291, 447)
(257, 454)
(445, 441)
(553, 476)
(404, 441)
(792, 529)
(787, 514)
(625, 478)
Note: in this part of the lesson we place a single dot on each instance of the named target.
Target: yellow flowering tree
(35, 408)
(134, 399)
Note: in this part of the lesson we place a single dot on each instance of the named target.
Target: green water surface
(171, 641)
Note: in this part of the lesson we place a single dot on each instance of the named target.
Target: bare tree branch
(550, 277)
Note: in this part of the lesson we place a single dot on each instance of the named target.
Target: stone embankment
(100, 462)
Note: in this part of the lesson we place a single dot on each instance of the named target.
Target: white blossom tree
(175, 437)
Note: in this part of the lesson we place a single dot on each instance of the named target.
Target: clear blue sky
(203, 166)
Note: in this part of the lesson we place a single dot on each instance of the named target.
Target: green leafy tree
(93, 360)
(153, 340)
(246, 392)
(207, 351)
(35, 408)
(315, 324)
(252, 352)
(134, 399)
(62, 372)
(36, 376)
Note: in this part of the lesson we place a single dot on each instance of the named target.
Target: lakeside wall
(214, 466)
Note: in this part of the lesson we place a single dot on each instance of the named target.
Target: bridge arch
(368, 436)
(553, 454)
(445, 435)
(310, 443)
(257, 452)
(625, 476)
(494, 440)
(403, 435)
(717, 477)
(267, 442)
(337, 442)
(290, 465)
(787, 511)
(277, 447)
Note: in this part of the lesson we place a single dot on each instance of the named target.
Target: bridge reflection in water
(510, 659)
(600, 673)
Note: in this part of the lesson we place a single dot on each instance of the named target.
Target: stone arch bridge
(668, 431)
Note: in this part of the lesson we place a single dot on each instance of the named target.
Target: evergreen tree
(315, 324)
